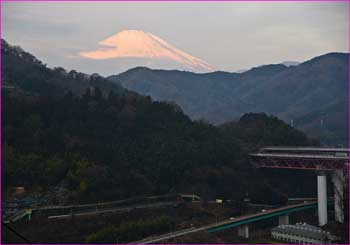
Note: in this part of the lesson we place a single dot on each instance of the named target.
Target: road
(167, 236)
(216, 226)
(112, 210)
(100, 204)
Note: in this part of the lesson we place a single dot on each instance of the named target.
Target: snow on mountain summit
(140, 44)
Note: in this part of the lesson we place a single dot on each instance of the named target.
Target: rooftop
(305, 230)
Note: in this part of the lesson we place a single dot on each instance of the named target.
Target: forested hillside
(104, 145)
(22, 70)
(120, 146)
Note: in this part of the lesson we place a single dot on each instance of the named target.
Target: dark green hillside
(109, 145)
(119, 146)
(24, 71)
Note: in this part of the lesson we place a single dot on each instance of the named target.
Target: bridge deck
(308, 158)
(306, 149)
(261, 216)
(300, 156)
(227, 224)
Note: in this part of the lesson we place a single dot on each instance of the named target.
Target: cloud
(232, 35)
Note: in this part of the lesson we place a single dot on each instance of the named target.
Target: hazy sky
(227, 35)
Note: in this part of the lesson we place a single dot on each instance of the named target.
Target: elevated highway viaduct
(319, 159)
(241, 222)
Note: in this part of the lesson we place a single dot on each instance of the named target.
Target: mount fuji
(146, 49)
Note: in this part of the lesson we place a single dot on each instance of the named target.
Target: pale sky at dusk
(228, 35)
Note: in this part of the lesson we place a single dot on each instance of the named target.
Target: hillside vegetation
(105, 145)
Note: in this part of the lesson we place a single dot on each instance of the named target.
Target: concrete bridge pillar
(338, 182)
(243, 231)
(283, 219)
(322, 199)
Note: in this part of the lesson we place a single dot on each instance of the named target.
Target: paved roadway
(112, 210)
(61, 212)
(228, 223)
(100, 204)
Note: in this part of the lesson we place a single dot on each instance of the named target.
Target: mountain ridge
(287, 92)
(25, 71)
(311, 60)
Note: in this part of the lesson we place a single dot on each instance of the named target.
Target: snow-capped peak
(141, 44)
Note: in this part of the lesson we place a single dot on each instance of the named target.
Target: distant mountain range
(312, 96)
(286, 63)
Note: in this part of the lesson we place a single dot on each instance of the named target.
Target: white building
(302, 233)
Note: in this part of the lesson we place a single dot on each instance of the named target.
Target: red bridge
(308, 158)
(325, 161)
